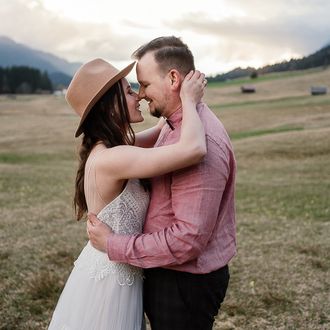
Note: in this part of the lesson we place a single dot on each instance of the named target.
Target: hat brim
(121, 74)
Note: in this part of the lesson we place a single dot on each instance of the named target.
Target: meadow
(280, 278)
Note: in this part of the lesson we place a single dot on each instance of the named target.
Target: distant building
(61, 92)
(248, 89)
(319, 90)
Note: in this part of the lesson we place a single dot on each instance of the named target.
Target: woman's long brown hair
(108, 122)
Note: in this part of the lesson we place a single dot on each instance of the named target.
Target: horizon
(4, 37)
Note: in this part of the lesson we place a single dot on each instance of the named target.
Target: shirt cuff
(116, 247)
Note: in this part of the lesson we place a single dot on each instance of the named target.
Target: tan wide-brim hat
(90, 83)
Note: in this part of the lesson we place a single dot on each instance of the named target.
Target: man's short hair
(170, 53)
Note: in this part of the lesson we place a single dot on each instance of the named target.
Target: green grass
(263, 78)
(280, 276)
(293, 101)
(35, 158)
(281, 129)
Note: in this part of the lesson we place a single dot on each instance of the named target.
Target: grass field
(280, 278)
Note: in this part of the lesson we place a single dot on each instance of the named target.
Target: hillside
(16, 54)
(269, 88)
(320, 58)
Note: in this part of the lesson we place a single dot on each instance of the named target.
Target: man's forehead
(143, 71)
(139, 72)
(147, 61)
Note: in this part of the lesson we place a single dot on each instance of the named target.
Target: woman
(111, 182)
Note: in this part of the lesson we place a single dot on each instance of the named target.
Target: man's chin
(156, 113)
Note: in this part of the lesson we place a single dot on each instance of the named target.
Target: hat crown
(90, 83)
(86, 83)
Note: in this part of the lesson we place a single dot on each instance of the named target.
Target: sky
(222, 34)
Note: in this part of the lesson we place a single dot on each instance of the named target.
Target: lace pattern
(125, 215)
(98, 265)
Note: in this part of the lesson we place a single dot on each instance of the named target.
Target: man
(189, 233)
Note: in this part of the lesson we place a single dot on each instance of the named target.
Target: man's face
(153, 85)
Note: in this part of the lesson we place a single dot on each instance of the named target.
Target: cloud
(76, 41)
(221, 33)
(262, 32)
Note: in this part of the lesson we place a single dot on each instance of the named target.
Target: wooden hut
(318, 90)
(248, 89)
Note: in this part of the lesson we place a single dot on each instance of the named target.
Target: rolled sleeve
(120, 243)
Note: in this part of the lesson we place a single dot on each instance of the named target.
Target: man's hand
(98, 232)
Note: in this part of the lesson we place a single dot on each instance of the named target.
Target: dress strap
(89, 191)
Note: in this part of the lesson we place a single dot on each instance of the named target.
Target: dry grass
(276, 86)
(280, 277)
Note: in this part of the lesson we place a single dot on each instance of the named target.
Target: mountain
(318, 59)
(59, 70)
(59, 79)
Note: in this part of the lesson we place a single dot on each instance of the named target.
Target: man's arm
(196, 198)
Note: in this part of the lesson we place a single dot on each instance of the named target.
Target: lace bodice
(124, 215)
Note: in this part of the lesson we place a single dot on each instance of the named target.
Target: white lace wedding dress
(100, 294)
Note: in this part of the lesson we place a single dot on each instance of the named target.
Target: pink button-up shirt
(190, 223)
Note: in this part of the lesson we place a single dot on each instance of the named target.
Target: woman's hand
(193, 86)
(98, 232)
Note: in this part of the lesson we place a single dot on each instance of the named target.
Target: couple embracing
(160, 203)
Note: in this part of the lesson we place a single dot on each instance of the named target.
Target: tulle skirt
(100, 295)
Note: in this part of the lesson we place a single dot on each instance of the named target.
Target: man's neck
(172, 110)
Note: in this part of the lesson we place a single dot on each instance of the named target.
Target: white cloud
(42, 29)
(262, 33)
(221, 33)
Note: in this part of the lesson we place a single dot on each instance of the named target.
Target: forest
(24, 80)
(321, 58)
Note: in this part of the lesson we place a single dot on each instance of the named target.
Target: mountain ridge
(319, 58)
(17, 54)
(61, 71)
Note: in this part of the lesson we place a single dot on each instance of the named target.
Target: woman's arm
(124, 162)
(192, 137)
(148, 137)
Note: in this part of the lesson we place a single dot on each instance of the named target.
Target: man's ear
(174, 77)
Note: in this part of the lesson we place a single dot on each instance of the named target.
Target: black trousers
(183, 301)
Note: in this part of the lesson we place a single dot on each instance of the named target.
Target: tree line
(24, 80)
(321, 58)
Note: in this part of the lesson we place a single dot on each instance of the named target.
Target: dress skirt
(100, 295)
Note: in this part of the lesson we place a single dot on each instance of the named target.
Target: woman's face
(133, 103)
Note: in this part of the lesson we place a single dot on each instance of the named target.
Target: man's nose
(141, 94)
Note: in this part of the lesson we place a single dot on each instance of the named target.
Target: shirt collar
(174, 120)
